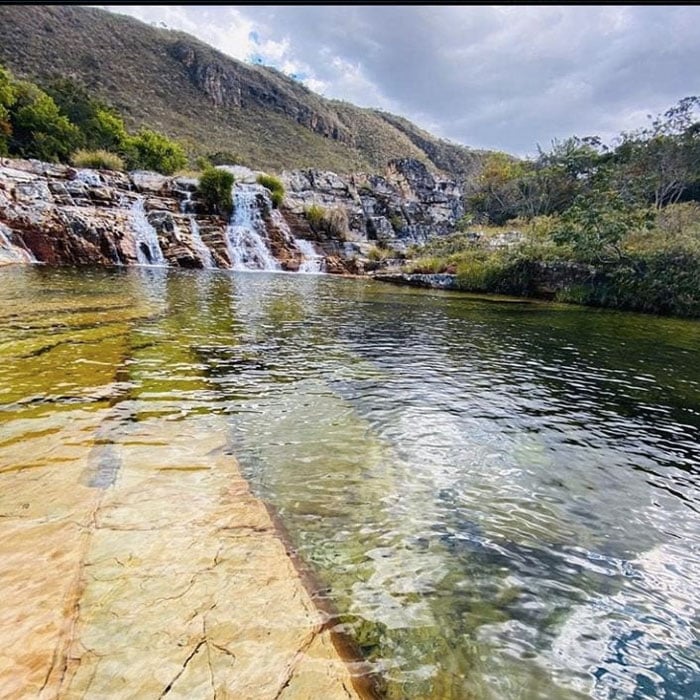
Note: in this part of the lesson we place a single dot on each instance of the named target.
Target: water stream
(312, 262)
(501, 499)
(148, 250)
(246, 231)
(199, 245)
(10, 252)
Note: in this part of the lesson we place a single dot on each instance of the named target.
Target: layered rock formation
(58, 215)
(408, 204)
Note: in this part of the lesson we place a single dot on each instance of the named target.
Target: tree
(7, 99)
(39, 130)
(659, 162)
(497, 195)
(597, 221)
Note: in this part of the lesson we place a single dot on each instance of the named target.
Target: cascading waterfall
(200, 246)
(311, 262)
(148, 250)
(246, 231)
(11, 253)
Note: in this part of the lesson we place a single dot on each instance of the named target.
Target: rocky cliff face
(58, 215)
(408, 204)
(228, 86)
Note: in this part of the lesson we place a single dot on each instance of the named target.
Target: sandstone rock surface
(137, 564)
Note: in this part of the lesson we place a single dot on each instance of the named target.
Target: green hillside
(176, 84)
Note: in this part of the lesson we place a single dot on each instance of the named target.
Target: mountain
(172, 82)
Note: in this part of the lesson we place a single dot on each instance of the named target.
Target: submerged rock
(144, 567)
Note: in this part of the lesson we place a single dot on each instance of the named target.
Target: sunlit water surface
(501, 499)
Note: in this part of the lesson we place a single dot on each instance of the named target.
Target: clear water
(501, 499)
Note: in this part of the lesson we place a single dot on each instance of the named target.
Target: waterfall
(11, 253)
(148, 250)
(246, 230)
(204, 253)
(311, 261)
(89, 177)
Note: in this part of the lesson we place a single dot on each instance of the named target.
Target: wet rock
(434, 281)
(407, 204)
(162, 576)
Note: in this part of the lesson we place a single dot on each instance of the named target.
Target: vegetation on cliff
(65, 123)
(615, 225)
(274, 185)
(215, 190)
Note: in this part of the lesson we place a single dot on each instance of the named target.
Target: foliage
(39, 130)
(596, 223)
(426, 265)
(397, 222)
(215, 190)
(658, 163)
(52, 124)
(98, 159)
(7, 99)
(379, 253)
(315, 214)
(150, 150)
(331, 222)
(479, 272)
(100, 126)
(336, 222)
(274, 184)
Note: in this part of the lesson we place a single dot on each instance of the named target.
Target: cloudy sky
(499, 77)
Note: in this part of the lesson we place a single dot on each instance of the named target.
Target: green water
(501, 499)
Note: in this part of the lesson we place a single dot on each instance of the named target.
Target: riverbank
(665, 283)
(139, 564)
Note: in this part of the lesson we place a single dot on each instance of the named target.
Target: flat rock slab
(141, 566)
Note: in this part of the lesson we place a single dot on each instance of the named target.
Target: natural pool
(501, 499)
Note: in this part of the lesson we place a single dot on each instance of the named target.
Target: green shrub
(39, 130)
(481, 271)
(336, 222)
(330, 222)
(426, 266)
(150, 150)
(397, 222)
(101, 127)
(99, 160)
(275, 186)
(7, 99)
(215, 191)
(377, 254)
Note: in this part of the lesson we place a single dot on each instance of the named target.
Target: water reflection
(502, 498)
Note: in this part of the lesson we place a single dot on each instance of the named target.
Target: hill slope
(174, 83)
